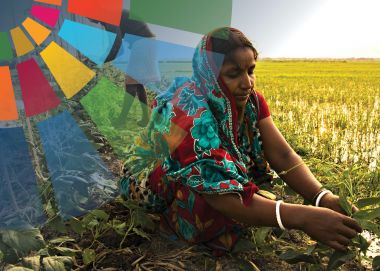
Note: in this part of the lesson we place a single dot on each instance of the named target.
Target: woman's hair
(226, 40)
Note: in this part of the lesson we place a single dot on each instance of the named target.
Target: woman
(208, 145)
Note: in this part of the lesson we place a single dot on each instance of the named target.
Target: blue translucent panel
(20, 204)
(156, 63)
(92, 42)
(81, 181)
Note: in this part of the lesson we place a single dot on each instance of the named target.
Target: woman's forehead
(241, 58)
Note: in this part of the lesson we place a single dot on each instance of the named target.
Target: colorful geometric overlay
(105, 11)
(37, 93)
(197, 16)
(156, 63)
(20, 205)
(92, 42)
(38, 32)
(8, 107)
(21, 42)
(52, 54)
(70, 74)
(81, 180)
(5, 47)
(46, 14)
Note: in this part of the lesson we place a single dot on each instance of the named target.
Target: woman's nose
(246, 81)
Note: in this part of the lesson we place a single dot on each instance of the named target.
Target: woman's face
(238, 75)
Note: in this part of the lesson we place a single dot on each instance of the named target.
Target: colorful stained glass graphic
(21, 42)
(38, 32)
(76, 115)
(70, 74)
(197, 16)
(105, 11)
(81, 180)
(5, 47)
(37, 93)
(20, 205)
(8, 107)
(92, 42)
(47, 15)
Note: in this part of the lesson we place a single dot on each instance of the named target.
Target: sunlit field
(328, 110)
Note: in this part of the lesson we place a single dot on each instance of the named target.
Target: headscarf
(193, 137)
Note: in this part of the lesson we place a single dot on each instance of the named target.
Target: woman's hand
(330, 228)
(331, 201)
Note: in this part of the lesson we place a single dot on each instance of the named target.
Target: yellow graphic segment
(8, 107)
(38, 32)
(21, 42)
(70, 74)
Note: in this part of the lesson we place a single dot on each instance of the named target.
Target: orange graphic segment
(53, 2)
(38, 32)
(70, 74)
(8, 107)
(21, 42)
(105, 11)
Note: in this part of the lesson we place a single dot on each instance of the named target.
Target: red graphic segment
(105, 11)
(37, 93)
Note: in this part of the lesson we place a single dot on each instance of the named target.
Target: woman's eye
(233, 75)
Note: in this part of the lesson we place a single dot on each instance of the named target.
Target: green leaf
(100, 214)
(23, 241)
(141, 233)
(243, 245)
(32, 262)
(57, 224)
(371, 226)
(338, 258)
(1, 256)
(77, 226)
(61, 240)
(143, 220)
(343, 202)
(367, 214)
(17, 268)
(361, 243)
(367, 202)
(261, 234)
(292, 256)
(376, 263)
(58, 263)
(65, 251)
(88, 256)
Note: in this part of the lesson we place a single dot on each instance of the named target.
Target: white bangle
(320, 196)
(278, 217)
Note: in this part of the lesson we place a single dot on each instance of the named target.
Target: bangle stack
(278, 216)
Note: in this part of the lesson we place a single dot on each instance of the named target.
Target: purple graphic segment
(37, 93)
(45, 14)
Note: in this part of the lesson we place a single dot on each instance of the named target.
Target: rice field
(326, 109)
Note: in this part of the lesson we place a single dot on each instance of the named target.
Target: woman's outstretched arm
(282, 157)
(322, 224)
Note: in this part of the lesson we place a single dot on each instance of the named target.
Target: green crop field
(327, 110)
